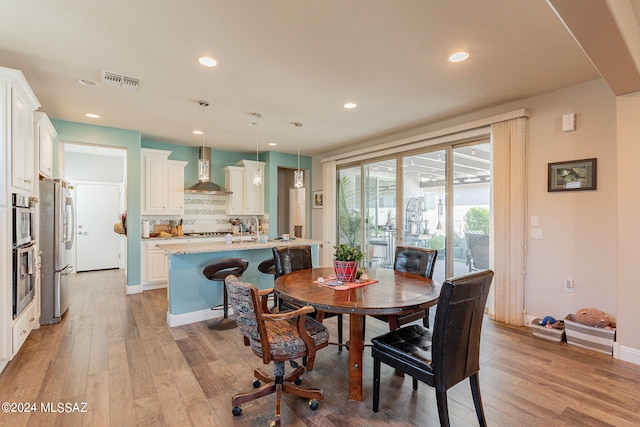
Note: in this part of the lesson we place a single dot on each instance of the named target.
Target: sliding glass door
(438, 198)
(380, 212)
(424, 189)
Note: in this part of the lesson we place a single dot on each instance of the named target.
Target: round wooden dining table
(395, 293)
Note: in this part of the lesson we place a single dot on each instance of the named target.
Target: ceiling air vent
(113, 79)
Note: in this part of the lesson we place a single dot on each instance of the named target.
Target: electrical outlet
(568, 285)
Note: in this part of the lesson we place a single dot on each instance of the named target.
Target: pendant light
(257, 172)
(203, 163)
(204, 185)
(298, 175)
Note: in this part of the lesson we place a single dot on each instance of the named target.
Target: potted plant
(345, 263)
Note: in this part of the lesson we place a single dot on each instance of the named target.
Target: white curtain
(328, 212)
(509, 218)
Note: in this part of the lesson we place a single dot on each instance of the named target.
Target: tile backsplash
(202, 212)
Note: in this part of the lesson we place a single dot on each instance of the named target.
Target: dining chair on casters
(277, 338)
(217, 271)
(445, 355)
(293, 258)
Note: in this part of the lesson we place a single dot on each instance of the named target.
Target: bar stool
(218, 271)
(268, 266)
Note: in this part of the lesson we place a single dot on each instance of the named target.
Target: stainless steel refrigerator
(57, 224)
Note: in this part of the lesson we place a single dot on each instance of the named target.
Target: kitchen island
(191, 295)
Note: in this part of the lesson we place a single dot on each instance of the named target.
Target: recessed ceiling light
(272, 144)
(197, 132)
(85, 82)
(458, 57)
(93, 116)
(207, 61)
(350, 105)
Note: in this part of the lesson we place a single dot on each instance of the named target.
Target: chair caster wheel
(313, 404)
(236, 410)
(298, 381)
(256, 384)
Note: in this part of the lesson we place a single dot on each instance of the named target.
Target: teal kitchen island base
(191, 295)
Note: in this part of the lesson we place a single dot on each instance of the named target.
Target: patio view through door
(438, 198)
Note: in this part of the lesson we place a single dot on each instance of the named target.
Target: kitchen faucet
(257, 226)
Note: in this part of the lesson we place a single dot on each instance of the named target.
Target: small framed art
(573, 175)
(318, 199)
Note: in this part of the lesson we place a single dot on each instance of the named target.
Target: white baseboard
(138, 289)
(194, 316)
(627, 354)
(152, 286)
(133, 289)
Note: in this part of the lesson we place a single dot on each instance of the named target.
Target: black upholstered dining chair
(445, 355)
(418, 261)
(277, 338)
(293, 258)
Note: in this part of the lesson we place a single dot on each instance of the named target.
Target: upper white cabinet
(44, 134)
(162, 183)
(17, 94)
(175, 186)
(233, 181)
(247, 198)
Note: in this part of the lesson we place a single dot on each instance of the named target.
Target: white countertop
(198, 248)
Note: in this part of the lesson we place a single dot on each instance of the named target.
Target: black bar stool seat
(218, 271)
(268, 266)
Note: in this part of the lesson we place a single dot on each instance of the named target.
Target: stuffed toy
(592, 317)
(550, 322)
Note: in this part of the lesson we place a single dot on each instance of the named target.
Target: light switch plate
(536, 233)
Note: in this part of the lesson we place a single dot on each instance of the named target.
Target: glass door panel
(349, 211)
(471, 206)
(380, 213)
(424, 204)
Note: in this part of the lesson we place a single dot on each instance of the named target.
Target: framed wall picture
(318, 200)
(574, 175)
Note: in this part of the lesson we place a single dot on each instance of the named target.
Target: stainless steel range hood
(205, 186)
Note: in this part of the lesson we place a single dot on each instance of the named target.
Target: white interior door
(97, 207)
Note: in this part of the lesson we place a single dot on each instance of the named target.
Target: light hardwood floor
(116, 354)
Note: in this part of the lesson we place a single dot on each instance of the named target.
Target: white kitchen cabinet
(22, 327)
(162, 183)
(23, 103)
(233, 180)
(253, 194)
(247, 198)
(44, 134)
(175, 187)
(154, 265)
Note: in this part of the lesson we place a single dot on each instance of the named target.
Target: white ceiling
(291, 60)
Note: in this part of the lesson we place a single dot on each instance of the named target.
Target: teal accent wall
(273, 161)
(121, 138)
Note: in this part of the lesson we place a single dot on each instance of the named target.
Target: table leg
(356, 347)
